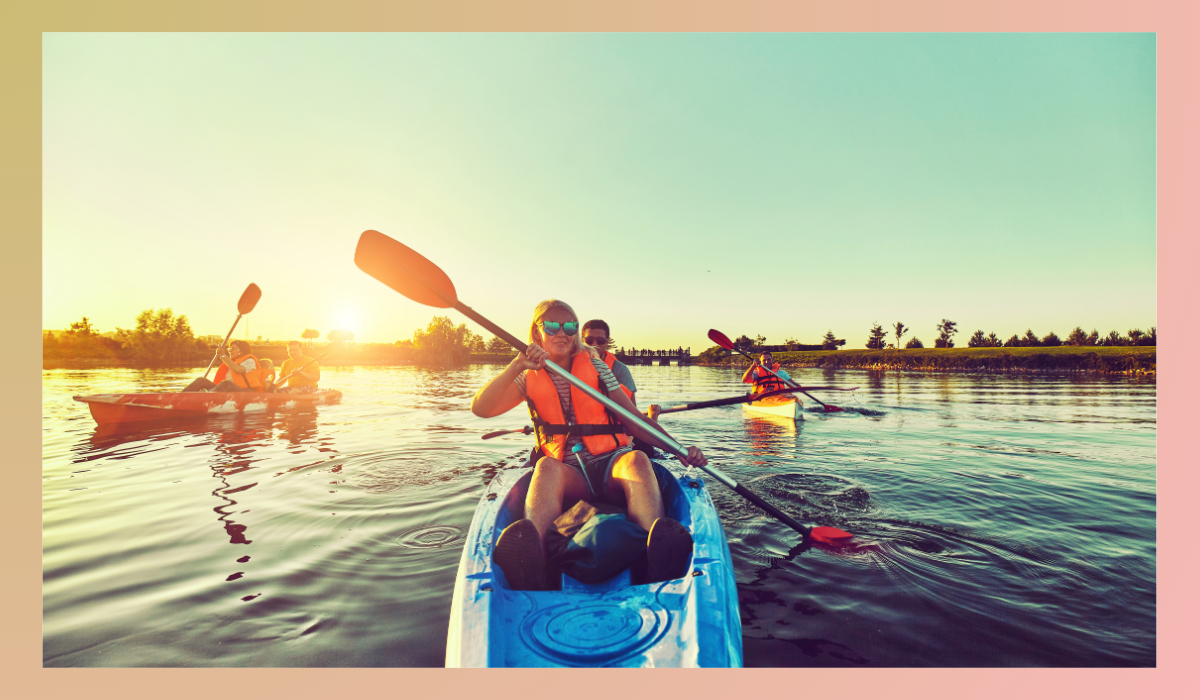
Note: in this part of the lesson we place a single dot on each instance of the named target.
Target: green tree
(1151, 337)
(1013, 342)
(310, 334)
(82, 329)
(1093, 338)
(875, 339)
(946, 331)
(1051, 340)
(744, 343)
(1077, 337)
(160, 336)
(497, 344)
(899, 329)
(993, 341)
(441, 343)
(1135, 335)
(1030, 340)
(792, 344)
(1113, 339)
(914, 342)
(714, 355)
(977, 340)
(830, 341)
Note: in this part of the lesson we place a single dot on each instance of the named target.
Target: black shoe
(518, 553)
(668, 551)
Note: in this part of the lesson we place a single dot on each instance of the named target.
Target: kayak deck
(130, 408)
(788, 407)
(687, 622)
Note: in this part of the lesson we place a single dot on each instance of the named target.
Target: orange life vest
(763, 384)
(608, 360)
(222, 371)
(247, 380)
(600, 430)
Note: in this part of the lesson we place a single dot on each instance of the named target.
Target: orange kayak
(128, 408)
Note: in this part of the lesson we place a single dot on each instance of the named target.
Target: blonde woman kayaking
(585, 451)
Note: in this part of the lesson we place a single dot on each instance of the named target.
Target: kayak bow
(688, 622)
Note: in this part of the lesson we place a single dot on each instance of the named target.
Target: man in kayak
(307, 370)
(585, 451)
(763, 380)
(596, 334)
(242, 372)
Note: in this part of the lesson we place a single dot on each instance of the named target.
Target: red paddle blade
(249, 299)
(404, 270)
(720, 339)
(830, 535)
(832, 409)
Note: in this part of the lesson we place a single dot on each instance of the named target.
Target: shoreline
(1119, 360)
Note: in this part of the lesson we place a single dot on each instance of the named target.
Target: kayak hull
(788, 407)
(688, 622)
(132, 408)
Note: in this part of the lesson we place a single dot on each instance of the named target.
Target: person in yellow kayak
(241, 369)
(584, 452)
(763, 380)
(307, 371)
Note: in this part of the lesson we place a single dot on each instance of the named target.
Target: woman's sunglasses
(550, 328)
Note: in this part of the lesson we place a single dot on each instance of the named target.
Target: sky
(781, 185)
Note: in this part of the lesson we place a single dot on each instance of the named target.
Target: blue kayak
(688, 622)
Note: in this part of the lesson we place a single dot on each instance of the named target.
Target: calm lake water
(1006, 520)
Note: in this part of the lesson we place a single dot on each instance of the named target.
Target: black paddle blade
(249, 299)
(404, 270)
(720, 339)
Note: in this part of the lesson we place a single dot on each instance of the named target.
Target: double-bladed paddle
(246, 304)
(723, 340)
(747, 398)
(409, 273)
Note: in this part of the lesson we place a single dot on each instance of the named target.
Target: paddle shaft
(218, 352)
(306, 364)
(725, 402)
(672, 446)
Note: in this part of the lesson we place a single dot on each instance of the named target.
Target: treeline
(877, 338)
(160, 337)
(442, 344)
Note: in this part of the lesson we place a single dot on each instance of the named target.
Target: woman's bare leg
(554, 485)
(633, 475)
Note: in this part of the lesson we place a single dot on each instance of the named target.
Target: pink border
(1174, 23)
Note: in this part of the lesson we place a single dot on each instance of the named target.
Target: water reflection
(238, 442)
(769, 436)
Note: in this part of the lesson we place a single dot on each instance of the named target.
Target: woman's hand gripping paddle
(407, 272)
(723, 340)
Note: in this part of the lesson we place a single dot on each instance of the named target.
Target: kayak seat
(610, 523)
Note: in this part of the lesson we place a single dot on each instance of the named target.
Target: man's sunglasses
(595, 340)
(550, 328)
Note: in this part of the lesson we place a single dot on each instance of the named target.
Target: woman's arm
(501, 395)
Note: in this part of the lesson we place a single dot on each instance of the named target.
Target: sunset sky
(761, 184)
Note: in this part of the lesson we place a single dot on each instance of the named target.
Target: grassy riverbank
(1109, 360)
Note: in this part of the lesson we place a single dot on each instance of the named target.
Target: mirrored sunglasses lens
(551, 327)
(571, 327)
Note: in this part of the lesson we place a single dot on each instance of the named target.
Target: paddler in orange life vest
(585, 451)
(762, 379)
(239, 370)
